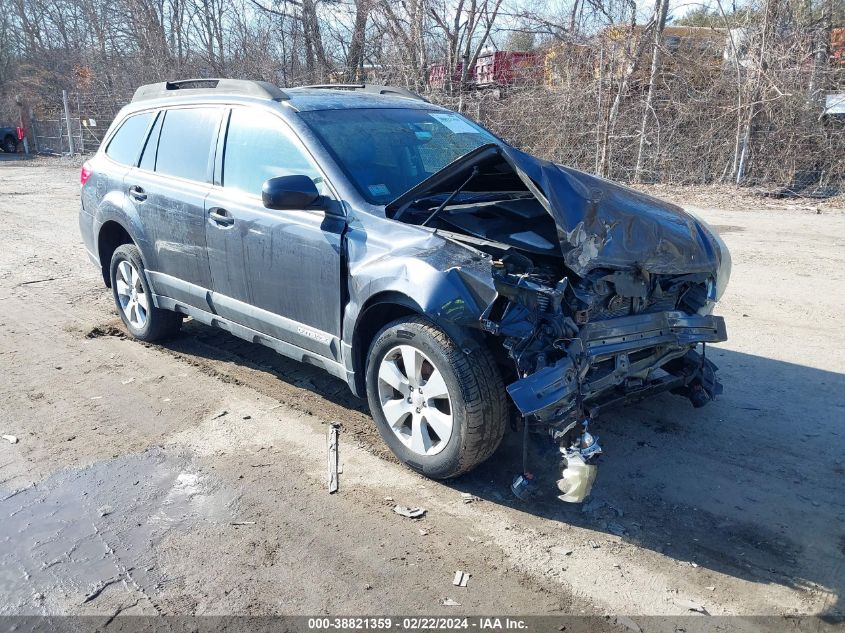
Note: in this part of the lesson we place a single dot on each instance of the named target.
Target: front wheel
(10, 145)
(134, 300)
(440, 410)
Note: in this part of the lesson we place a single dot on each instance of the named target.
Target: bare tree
(660, 10)
(467, 31)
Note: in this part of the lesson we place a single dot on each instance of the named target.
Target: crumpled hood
(603, 224)
(600, 224)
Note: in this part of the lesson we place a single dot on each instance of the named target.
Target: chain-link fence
(73, 122)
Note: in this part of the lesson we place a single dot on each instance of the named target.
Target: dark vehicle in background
(453, 280)
(9, 139)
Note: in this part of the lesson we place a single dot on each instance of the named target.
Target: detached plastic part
(580, 471)
(577, 478)
(524, 487)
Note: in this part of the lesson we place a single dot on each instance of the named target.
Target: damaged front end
(598, 345)
(603, 295)
(606, 340)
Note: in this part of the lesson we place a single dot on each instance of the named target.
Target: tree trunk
(355, 58)
(630, 68)
(660, 11)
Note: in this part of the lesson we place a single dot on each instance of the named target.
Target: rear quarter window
(125, 145)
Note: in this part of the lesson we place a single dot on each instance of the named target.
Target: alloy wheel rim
(415, 400)
(134, 302)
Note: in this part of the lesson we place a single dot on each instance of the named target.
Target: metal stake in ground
(334, 456)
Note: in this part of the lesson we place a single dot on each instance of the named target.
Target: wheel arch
(111, 235)
(387, 306)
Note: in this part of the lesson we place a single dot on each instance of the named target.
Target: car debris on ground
(690, 605)
(461, 579)
(410, 513)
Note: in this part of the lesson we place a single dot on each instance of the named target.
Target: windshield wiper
(443, 204)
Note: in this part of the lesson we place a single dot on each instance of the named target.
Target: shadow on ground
(7, 158)
(750, 486)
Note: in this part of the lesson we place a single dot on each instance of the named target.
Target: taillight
(84, 173)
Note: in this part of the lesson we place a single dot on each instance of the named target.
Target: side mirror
(289, 192)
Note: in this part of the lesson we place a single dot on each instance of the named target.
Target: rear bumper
(86, 230)
(615, 360)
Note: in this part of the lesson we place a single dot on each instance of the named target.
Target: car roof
(301, 99)
(310, 99)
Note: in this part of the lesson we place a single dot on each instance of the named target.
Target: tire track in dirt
(302, 387)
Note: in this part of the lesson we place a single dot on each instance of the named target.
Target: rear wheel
(440, 410)
(133, 298)
(10, 144)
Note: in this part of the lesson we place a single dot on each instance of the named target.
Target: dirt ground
(189, 478)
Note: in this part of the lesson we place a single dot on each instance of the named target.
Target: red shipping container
(437, 75)
(505, 68)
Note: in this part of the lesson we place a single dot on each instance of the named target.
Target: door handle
(137, 193)
(221, 217)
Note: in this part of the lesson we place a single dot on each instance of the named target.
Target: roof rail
(260, 89)
(374, 89)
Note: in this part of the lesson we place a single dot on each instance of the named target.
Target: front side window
(259, 147)
(387, 151)
(185, 143)
(126, 143)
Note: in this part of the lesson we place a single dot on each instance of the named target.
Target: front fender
(445, 281)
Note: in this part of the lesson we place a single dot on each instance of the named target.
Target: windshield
(385, 151)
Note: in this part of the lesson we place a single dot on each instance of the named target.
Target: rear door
(169, 188)
(277, 272)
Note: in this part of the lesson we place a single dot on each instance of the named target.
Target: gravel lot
(189, 478)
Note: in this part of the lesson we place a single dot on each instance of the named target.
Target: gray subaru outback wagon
(454, 281)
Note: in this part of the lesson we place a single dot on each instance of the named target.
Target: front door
(277, 272)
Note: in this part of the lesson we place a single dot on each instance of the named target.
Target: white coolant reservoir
(580, 470)
(577, 478)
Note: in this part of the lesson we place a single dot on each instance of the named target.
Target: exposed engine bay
(582, 336)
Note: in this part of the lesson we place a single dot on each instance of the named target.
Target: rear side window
(125, 145)
(148, 158)
(185, 143)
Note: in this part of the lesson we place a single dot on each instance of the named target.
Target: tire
(475, 403)
(10, 145)
(133, 299)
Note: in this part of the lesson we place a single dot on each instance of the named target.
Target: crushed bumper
(612, 361)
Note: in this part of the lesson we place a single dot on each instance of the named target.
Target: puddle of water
(80, 528)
